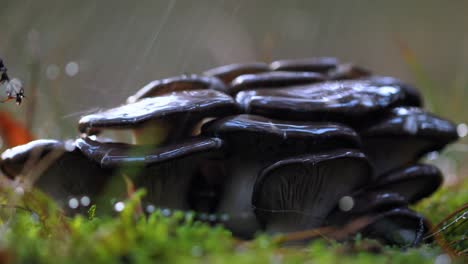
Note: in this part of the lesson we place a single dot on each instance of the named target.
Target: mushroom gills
(413, 182)
(390, 153)
(298, 193)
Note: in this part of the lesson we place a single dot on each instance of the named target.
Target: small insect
(3, 73)
(14, 88)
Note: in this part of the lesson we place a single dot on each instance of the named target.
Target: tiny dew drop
(346, 203)
(150, 208)
(73, 203)
(119, 206)
(85, 201)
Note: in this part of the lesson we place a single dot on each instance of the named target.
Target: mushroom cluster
(280, 147)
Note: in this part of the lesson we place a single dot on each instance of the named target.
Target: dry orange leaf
(13, 132)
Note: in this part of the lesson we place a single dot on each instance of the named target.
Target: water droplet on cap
(73, 203)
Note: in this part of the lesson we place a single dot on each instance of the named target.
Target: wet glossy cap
(227, 73)
(188, 105)
(414, 96)
(177, 83)
(403, 135)
(271, 80)
(14, 159)
(256, 134)
(347, 72)
(317, 64)
(111, 154)
(414, 182)
(350, 102)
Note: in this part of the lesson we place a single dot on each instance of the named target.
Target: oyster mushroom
(399, 226)
(364, 202)
(413, 182)
(273, 79)
(177, 83)
(317, 64)
(167, 172)
(298, 193)
(403, 135)
(352, 102)
(414, 96)
(347, 71)
(66, 172)
(227, 73)
(162, 119)
(254, 142)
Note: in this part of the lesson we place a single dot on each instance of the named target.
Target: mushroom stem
(153, 133)
(237, 196)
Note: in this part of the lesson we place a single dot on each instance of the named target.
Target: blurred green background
(79, 56)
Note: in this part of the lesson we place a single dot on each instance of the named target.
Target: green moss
(130, 237)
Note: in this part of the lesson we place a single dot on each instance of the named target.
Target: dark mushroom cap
(249, 135)
(177, 83)
(67, 172)
(403, 136)
(227, 73)
(112, 154)
(317, 64)
(14, 159)
(414, 182)
(399, 226)
(272, 80)
(365, 202)
(298, 193)
(194, 105)
(414, 96)
(347, 72)
(350, 102)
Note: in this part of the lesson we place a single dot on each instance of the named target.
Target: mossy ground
(129, 237)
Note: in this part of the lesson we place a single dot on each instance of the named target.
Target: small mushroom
(403, 135)
(254, 142)
(57, 168)
(274, 79)
(413, 182)
(317, 64)
(177, 83)
(414, 96)
(298, 193)
(227, 73)
(167, 172)
(162, 119)
(352, 102)
(399, 226)
(347, 71)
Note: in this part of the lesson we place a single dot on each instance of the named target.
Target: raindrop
(119, 206)
(73, 203)
(462, 130)
(52, 72)
(85, 201)
(166, 212)
(72, 68)
(433, 155)
(203, 216)
(150, 208)
(197, 251)
(346, 203)
(442, 259)
(224, 217)
(19, 190)
(69, 145)
(212, 217)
